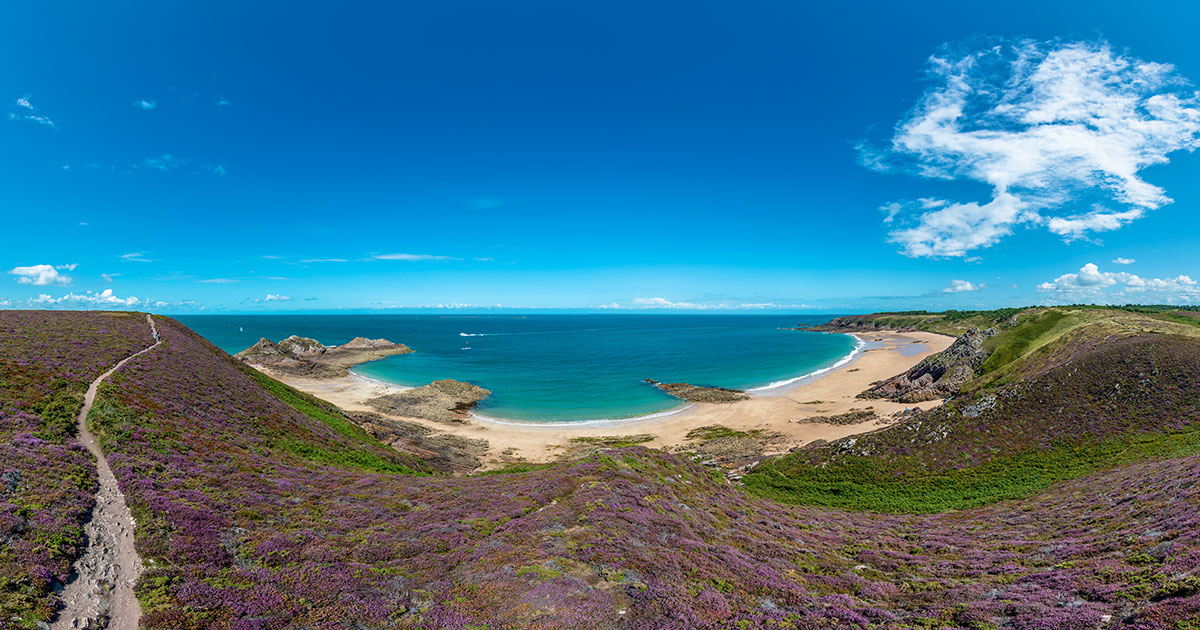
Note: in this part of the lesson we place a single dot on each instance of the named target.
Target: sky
(759, 156)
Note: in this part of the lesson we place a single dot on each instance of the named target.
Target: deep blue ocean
(556, 368)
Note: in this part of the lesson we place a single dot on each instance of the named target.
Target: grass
(1012, 343)
(330, 416)
(311, 407)
(865, 485)
(340, 457)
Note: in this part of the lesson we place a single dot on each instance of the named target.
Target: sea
(568, 368)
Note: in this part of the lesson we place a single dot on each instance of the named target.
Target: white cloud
(218, 281)
(104, 298)
(962, 286)
(1089, 282)
(1098, 220)
(1124, 261)
(215, 169)
(323, 260)
(135, 257)
(1037, 123)
(411, 257)
(145, 104)
(272, 297)
(41, 275)
(26, 111)
(108, 277)
(222, 102)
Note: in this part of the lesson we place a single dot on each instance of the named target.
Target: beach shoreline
(831, 391)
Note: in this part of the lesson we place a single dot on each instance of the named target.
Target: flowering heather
(1111, 400)
(47, 478)
(256, 516)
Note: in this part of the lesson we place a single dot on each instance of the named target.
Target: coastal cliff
(939, 376)
(302, 356)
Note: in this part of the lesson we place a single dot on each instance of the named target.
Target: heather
(242, 530)
(47, 361)
(1098, 402)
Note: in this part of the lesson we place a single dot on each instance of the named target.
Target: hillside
(261, 508)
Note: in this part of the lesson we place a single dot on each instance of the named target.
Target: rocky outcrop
(693, 393)
(938, 376)
(302, 356)
(856, 323)
(441, 401)
(447, 453)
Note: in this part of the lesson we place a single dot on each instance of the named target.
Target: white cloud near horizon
(962, 286)
(106, 299)
(650, 303)
(42, 275)
(412, 257)
(1090, 282)
(145, 104)
(274, 297)
(1040, 124)
(1123, 261)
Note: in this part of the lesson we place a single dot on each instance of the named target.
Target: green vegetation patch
(865, 484)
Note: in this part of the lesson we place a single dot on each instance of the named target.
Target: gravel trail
(100, 592)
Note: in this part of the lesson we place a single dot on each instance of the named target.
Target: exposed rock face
(853, 323)
(447, 453)
(940, 375)
(441, 401)
(301, 356)
(693, 393)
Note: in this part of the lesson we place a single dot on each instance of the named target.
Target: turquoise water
(562, 368)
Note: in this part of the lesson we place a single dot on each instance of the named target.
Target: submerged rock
(694, 393)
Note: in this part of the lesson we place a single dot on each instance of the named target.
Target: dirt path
(100, 593)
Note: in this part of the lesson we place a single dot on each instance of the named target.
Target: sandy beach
(883, 355)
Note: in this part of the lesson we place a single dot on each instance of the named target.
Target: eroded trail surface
(100, 593)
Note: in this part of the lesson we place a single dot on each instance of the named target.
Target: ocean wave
(859, 344)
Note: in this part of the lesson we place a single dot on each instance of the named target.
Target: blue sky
(756, 156)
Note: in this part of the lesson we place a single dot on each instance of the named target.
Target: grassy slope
(944, 460)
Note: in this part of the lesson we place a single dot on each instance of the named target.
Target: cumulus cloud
(106, 299)
(1041, 124)
(1090, 282)
(145, 104)
(1124, 261)
(273, 297)
(962, 286)
(42, 275)
(24, 110)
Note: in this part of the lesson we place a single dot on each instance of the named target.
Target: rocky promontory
(694, 393)
(441, 401)
(940, 375)
(306, 357)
